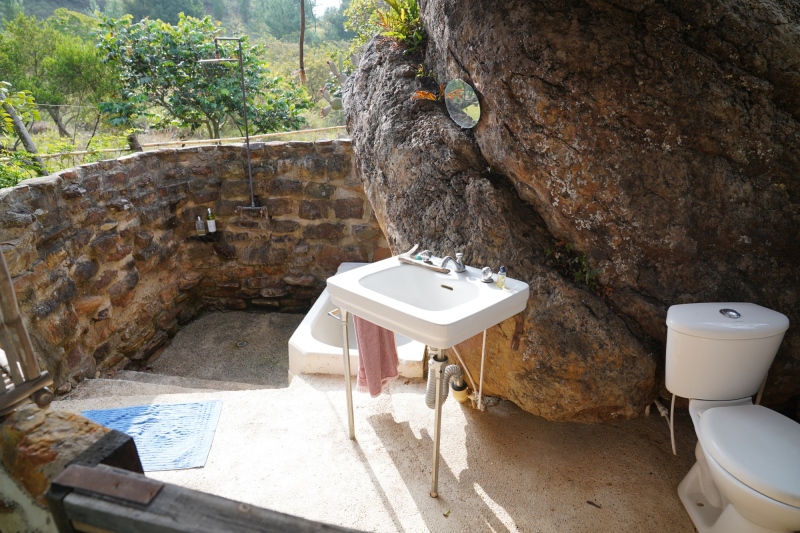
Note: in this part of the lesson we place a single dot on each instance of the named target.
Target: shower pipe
(217, 60)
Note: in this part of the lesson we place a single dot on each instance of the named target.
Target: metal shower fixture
(216, 60)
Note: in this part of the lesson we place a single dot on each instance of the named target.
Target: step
(184, 382)
(113, 393)
(109, 388)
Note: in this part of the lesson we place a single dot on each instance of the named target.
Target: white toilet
(747, 474)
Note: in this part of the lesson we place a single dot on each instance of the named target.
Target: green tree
(61, 67)
(10, 9)
(397, 19)
(23, 104)
(217, 9)
(15, 108)
(162, 79)
(244, 11)
(363, 20)
(334, 22)
(282, 57)
(113, 9)
(282, 17)
(166, 10)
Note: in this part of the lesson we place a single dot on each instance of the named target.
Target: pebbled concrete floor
(501, 470)
(210, 348)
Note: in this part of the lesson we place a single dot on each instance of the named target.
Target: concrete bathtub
(316, 345)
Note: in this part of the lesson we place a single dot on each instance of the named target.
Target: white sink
(438, 309)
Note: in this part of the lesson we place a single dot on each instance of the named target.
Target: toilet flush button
(730, 313)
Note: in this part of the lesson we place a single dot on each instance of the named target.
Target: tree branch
(25, 137)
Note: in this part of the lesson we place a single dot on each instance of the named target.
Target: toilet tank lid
(726, 320)
(757, 446)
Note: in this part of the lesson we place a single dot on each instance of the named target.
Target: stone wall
(107, 265)
(35, 446)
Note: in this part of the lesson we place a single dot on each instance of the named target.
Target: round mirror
(462, 103)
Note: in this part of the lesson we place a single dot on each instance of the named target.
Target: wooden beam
(179, 510)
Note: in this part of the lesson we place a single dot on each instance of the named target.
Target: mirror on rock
(462, 103)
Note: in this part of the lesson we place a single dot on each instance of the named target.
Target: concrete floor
(210, 348)
(502, 470)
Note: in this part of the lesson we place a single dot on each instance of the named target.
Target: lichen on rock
(659, 138)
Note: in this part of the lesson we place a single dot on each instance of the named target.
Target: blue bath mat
(167, 436)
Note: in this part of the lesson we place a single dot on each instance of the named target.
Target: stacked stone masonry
(107, 265)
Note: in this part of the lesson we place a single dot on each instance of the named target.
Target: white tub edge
(307, 355)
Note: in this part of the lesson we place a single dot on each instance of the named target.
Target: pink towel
(377, 357)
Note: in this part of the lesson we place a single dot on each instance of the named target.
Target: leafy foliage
(282, 56)
(363, 20)
(334, 21)
(60, 66)
(159, 65)
(10, 9)
(574, 264)
(402, 22)
(22, 101)
(281, 18)
(165, 10)
(396, 19)
(19, 166)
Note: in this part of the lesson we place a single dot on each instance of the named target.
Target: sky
(322, 5)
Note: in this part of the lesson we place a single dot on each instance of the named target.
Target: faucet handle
(425, 255)
(459, 255)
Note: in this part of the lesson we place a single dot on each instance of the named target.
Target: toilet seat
(757, 446)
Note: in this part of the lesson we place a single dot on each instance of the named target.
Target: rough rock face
(662, 139)
(36, 445)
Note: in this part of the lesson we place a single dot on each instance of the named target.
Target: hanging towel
(377, 357)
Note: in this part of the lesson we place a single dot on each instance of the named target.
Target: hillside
(229, 9)
(260, 19)
(45, 8)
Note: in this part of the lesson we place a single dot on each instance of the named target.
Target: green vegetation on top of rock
(402, 22)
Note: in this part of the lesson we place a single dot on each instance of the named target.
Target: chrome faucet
(458, 265)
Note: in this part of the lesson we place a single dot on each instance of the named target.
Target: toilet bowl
(747, 475)
(758, 489)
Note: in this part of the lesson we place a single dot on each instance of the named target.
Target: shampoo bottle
(200, 227)
(211, 220)
(501, 277)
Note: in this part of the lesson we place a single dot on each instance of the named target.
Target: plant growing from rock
(402, 23)
(574, 264)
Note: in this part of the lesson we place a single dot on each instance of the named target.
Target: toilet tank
(720, 351)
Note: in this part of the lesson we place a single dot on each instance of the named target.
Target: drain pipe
(439, 376)
(438, 380)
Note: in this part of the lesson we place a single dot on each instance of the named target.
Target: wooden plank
(179, 510)
(113, 449)
(15, 397)
(86, 528)
(139, 490)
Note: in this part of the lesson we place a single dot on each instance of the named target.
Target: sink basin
(438, 309)
(426, 291)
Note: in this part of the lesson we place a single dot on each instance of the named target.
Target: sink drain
(241, 344)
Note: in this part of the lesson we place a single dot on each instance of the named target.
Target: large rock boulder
(659, 138)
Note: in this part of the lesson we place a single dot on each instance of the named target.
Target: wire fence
(309, 134)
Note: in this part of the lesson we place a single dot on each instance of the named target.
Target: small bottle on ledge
(212, 221)
(200, 226)
(501, 277)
